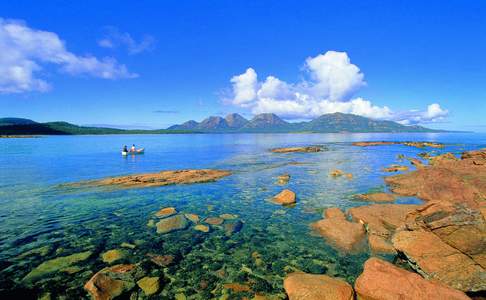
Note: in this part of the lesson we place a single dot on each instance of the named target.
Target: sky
(151, 64)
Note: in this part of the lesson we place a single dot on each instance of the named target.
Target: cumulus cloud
(330, 84)
(114, 38)
(24, 52)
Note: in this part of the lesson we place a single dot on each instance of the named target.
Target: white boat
(138, 151)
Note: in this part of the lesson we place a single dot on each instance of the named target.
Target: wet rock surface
(157, 179)
(376, 197)
(285, 197)
(307, 149)
(177, 222)
(382, 280)
(302, 286)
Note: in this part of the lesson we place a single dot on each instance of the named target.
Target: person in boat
(125, 149)
(133, 149)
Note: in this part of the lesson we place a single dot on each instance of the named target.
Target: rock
(457, 225)
(349, 176)
(411, 144)
(334, 212)
(285, 197)
(42, 251)
(111, 256)
(302, 286)
(381, 280)
(336, 173)
(149, 285)
(55, 265)
(367, 144)
(232, 227)
(228, 216)
(341, 233)
(157, 179)
(127, 245)
(166, 212)
(112, 282)
(161, 260)
(202, 228)
(395, 168)
(455, 181)
(177, 222)
(192, 217)
(434, 259)
(214, 220)
(380, 245)
(237, 287)
(434, 160)
(283, 179)
(308, 149)
(376, 197)
(151, 223)
(417, 163)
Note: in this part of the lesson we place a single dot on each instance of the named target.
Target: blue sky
(156, 64)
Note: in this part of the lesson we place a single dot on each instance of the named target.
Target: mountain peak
(235, 120)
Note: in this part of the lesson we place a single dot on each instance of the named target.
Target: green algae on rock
(55, 265)
(113, 255)
(177, 222)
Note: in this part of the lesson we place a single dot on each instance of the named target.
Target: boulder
(161, 260)
(382, 280)
(232, 227)
(376, 197)
(283, 179)
(434, 259)
(285, 197)
(334, 212)
(380, 245)
(149, 285)
(113, 282)
(202, 228)
(214, 220)
(341, 233)
(192, 217)
(166, 212)
(172, 223)
(113, 255)
(302, 286)
(395, 168)
(336, 173)
(55, 265)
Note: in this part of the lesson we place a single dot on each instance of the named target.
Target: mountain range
(267, 122)
(232, 123)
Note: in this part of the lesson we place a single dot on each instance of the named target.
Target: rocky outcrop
(434, 259)
(451, 180)
(285, 197)
(112, 282)
(157, 179)
(395, 168)
(381, 280)
(302, 286)
(411, 144)
(376, 197)
(307, 149)
(172, 223)
(381, 221)
(339, 232)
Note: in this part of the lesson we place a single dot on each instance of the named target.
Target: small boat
(138, 151)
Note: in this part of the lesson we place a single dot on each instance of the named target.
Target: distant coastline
(233, 123)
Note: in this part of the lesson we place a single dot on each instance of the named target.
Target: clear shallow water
(37, 213)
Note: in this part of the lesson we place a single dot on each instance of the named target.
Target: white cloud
(114, 38)
(24, 52)
(333, 82)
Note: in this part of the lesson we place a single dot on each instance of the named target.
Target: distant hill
(232, 123)
(336, 122)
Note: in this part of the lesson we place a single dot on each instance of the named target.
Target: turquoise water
(41, 220)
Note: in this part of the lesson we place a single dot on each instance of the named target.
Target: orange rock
(434, 259)
(158, 179)
(376, 197)
(285, 197)
(336, 173)
(333, 212)
(111, 282)
(395, 168)
(380, 245)
(302, 286)
(283, 179)
(340, 233)
(237, 287)
(214, 220)
(381, 280)
(416, 162)
(166, 212)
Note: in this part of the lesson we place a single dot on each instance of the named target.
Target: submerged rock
(376, 197)
(112, 282)
(307, 149)
(434, 259)
(336, 173)
(381, 280)
(228, 216)
(285, 197)
(166, 212)
(158, 179)
(161, 260)
(55, 265)
(192, 217)
(395, 168)
(341, 233)
(202, 228)
(214, 220)
(111, 256)
(149, 285)
(302, 286)
(173, 223)
(283, 179)
(232, 227)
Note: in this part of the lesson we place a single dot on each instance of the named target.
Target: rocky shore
(157, 179)
(306, 149)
